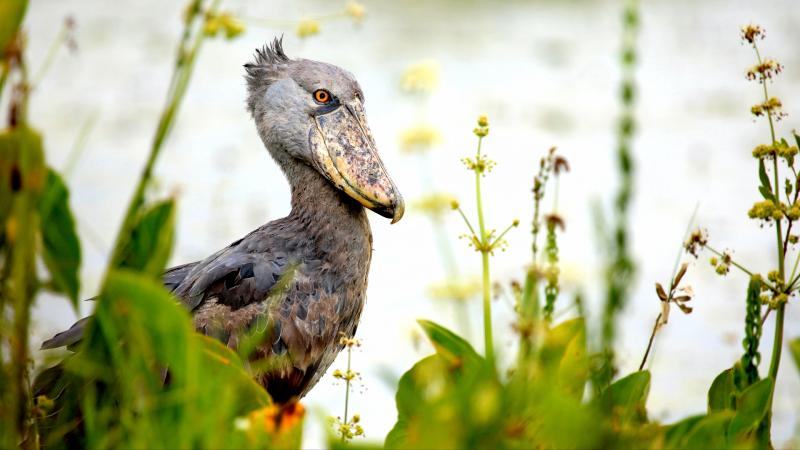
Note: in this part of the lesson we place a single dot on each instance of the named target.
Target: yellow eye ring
(322, 96)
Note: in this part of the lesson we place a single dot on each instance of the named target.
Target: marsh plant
(560, 391)
(346, 426)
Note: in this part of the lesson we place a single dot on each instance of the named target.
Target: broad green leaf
(61, 248)
(411, 400)
(452, 347)
(558, 339)
(753, 406)
(139, 336)
(573, 370)
(722, 393)
(794, 347)
(150, 243)
(11, 14)
(627, 397)
(710, 432)
(676, 434)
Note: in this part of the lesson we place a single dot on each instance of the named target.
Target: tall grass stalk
(488, 340)
(777, 343)
(620, 267)
(484, 241)
(188, 49)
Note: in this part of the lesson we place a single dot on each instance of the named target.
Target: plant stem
(184, 67)
(777, 343)
(347, 391)
(487, 305)
(650, 342)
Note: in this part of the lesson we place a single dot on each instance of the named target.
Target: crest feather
(268, 63)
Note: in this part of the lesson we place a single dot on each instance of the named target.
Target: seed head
(750, 33)
(696, 241)
(307, 27)
(355, 10)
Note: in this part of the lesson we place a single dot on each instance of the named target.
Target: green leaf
(61, 248)
(722, 393)
(710, 431)
(150, 243)
(753, 406)
(573, 370)
(558, 340)
(765, 189)
(766, 193)
(627, 397)
(11, 14)
(452, 347)
(794, 347)
(676, 434)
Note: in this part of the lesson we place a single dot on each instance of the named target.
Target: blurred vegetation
(561, 391)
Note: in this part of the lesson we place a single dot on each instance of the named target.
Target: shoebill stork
(310, 116)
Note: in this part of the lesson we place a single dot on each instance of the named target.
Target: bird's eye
(322, 96)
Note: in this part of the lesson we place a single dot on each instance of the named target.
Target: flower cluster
(307, 27)
(461, 289)
(722, 265)
(750, 33)
(224, 22)
(482, 130)
(480, 164)
(419, 138)
(434, 205)
(355, 11)
(771, 107)
(780, 149)
(764, 70)
(421, 78)
(347, 428)
(768, 210)
(350, 429)
(696, 241)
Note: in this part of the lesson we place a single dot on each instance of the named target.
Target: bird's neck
(335, 221)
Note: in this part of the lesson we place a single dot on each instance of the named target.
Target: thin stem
(734, 263)
(487, 305)
(469, 225)
(51, 54)
(650, 342)
(184, 67)
(494, 242)
(347, 390)
(777, 344)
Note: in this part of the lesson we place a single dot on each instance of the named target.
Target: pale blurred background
(545, 72)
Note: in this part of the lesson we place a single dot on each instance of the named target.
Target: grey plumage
(302, 278)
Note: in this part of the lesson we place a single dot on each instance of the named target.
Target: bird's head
(314, 112)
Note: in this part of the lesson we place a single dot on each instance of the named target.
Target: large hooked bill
(345, 153)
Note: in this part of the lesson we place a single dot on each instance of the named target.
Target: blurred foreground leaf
(753, 405)
(61, 248)
(143, 372)
(450, 346)
(150, 243)
(722, 394)
(794, 347)
(11, 14)
(627, 396)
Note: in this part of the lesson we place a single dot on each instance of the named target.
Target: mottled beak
(345, 153)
